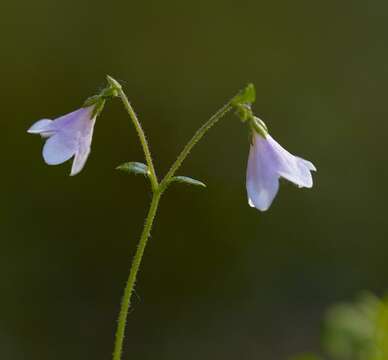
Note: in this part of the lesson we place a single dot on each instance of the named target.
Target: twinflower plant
(70, 136)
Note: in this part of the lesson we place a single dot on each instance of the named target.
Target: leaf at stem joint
(134, 168)
(187, 180)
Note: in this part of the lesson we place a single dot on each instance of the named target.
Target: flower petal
(69, 135)
(79, 161)
(74, 121)
(84, 144)
(58, 149)
(43, 127)
(308, 164)
(262, 178)
(292, 168)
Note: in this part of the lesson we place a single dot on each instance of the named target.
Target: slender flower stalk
(157, 191)
(189, 146)
(139, 130)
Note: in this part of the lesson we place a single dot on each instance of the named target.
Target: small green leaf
(91, 100)
(249, 94)
(134, 168)
(187, 180)
(246, 96)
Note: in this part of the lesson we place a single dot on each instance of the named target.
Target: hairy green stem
(157, 190)
(142, 137)
(126, 301)
(189, 146)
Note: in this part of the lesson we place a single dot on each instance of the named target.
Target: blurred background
(219, 280)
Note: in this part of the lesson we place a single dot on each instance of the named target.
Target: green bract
(245, 96)
(242, 102)
(259, 126)
(134, 168)
(187, 180)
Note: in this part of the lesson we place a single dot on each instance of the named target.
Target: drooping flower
(267, 163)
(67, 136)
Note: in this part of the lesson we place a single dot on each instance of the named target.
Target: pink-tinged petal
(79, 162)
(75, 120)
(262, 179)
(290, 167)
(298, 174)
(308, 164)
(42, 127)
(84, 147)
(59, 149)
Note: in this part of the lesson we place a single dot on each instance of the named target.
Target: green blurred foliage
(351, 329)
(356, 331)
(381, 334)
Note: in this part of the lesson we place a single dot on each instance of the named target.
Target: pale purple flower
(67, 136)
(267, 163)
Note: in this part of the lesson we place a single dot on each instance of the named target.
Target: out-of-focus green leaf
(350, 329)
(382, 331)
(187, 180)
(134, 168)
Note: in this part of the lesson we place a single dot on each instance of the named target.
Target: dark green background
(220, 280)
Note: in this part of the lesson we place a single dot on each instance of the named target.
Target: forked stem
(157, 191)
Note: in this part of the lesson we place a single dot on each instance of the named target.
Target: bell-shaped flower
(267, 163)
(67, 136)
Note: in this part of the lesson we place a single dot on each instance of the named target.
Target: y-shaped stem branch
(157, 190)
